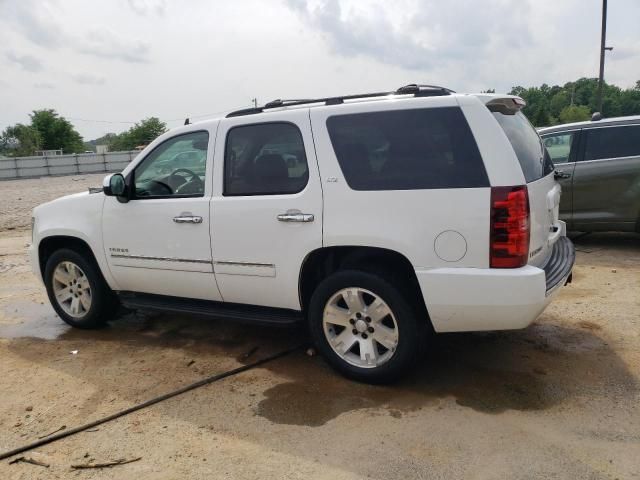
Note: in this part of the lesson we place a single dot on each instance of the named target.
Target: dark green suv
(598, 164)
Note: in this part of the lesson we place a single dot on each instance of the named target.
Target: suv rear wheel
(77, 291)
(364, 326)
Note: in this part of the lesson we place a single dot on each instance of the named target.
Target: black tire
(103, 301)
(411, 338)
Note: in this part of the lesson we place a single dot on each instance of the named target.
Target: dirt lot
(556, 400)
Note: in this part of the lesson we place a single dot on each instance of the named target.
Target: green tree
(540, 116)
(558, 102)
(20, 141)
(56, 132)
(548, 105)
(575, 113)
(142, 133)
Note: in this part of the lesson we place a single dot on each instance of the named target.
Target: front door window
(176, 168)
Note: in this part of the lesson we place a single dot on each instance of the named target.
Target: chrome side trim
(558, 132)
(162, 259)
(629, 157)
(246, 264)
(249, 269)
(611, 125)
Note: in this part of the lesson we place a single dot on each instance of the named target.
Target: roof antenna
(186, 121)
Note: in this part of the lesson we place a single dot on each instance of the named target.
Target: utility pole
(255, 102)
(603, 38)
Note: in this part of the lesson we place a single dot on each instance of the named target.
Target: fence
(26, 167)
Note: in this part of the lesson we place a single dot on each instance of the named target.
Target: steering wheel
(147, 193)
(193, 179)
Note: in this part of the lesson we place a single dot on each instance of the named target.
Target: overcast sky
(124, 60)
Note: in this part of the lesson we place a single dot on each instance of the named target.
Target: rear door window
(612, 142)
(407, 150)
(533, 157)
(265, 159)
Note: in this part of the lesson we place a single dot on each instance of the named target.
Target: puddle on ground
(32, 319)
(38, 321)
(533, 369)
(317, 396)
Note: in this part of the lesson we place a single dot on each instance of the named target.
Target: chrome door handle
(187, 219)
(295, 217)
(558, 174)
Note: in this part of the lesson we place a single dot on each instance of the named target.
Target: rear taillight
(509, 227)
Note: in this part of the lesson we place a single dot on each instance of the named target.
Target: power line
(207, 114)
(77, 119)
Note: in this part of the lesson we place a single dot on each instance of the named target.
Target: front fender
(78, 216)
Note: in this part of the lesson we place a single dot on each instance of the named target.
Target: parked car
(193, 160)
(599, 162)
(403, 213)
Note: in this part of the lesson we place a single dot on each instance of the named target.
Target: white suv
(375, 218)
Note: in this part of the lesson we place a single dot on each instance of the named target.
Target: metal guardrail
(79, 163)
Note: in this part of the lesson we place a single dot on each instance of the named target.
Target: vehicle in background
(598, 165)
(193, 160)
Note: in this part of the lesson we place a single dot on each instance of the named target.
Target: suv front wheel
(77, 291)
(364, 326)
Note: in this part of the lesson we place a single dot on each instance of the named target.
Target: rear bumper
(475, 299)
(558, 267)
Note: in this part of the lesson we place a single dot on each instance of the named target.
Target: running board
(219, 310)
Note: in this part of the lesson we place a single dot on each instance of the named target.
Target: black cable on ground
(140, 406)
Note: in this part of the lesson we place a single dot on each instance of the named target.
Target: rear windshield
(407, 150)
(533, 157)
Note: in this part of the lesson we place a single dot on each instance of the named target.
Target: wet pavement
(558, 399)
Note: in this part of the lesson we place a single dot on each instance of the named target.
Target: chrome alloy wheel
(71, 289)
(360, 327)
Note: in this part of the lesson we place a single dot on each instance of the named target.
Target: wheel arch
(393, 265)
(48, 245)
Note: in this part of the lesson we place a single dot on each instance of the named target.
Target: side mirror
(114, 185)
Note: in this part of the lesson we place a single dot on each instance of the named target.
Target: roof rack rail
(423, 90)
(414, 89)
(283, 103)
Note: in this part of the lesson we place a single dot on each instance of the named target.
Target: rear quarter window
(407, 150)
(533, 157)
(612, 142)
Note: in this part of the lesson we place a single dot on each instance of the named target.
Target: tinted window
(559, 146)
(533, 157)
(175, 167)
(612, 142)
(407, 150)
(265, 159)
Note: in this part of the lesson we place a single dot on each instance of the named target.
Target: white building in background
(102, 148)
(48, 153)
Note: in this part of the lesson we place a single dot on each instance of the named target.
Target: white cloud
(174, 59)
(104, 42)
(44, 85)
(88, 79)
(426, 35)
(627, 50)
(145, 7)
(38, 21)
(26, 62)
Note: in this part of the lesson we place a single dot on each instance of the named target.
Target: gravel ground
(556, 400)
(18, 197)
